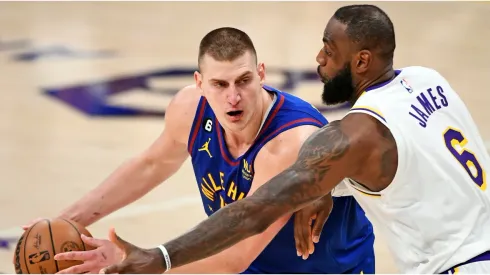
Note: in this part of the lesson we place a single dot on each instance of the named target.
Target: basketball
(35, 250)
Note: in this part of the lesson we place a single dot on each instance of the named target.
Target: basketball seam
(79, 234)
(25, 246)
(52, 244)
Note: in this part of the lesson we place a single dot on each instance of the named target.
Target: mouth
(235, 115)
(322, 78)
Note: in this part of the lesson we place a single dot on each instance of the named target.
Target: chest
(221, 179)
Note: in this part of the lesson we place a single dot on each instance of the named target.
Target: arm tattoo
(294, 188)
(389, 156)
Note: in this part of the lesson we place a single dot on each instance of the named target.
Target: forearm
(235, 222)
(128, 183)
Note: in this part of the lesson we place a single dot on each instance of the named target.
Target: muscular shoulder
(370, 145)
(181, 111)
(284, 148)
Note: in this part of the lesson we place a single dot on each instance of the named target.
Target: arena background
(84, 87)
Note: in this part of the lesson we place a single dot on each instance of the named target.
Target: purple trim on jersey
(370, 111)
(379, 85)
(196, 124)
(225, 153)
(485, 256)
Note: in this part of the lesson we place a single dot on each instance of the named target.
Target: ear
(363, 61)
(198, 79)
(261, 71)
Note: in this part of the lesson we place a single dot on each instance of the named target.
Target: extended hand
(135, 260)
(304, 233)
(105, 254)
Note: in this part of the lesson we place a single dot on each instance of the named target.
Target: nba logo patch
(406, 85)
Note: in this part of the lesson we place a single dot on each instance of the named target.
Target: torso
(224, 179)
(434, 205)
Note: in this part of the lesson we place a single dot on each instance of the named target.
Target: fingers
(75, 256)
(297, 234)
(92, 241)
(122, 244)
(318, 225)
(77, 269)
(302, 235)
(31, 223)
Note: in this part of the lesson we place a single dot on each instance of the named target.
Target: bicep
(170, 148)
(269, 163)
(327, 157)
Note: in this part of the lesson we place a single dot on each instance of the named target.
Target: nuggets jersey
(347, 239)
(436, 211)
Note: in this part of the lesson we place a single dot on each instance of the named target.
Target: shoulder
(181, 110)
(284, 148)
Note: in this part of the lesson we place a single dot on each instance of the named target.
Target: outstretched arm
(327, 157)
(321, 165)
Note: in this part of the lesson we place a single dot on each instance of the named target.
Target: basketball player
(239, 133)
(409, 149)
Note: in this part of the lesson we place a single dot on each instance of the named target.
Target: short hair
(370, 27)
(225, 44)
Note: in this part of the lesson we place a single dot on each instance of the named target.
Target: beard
(340, 88)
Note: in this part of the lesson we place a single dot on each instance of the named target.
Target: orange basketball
(36, 248)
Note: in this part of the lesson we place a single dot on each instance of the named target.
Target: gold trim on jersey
(353, 185)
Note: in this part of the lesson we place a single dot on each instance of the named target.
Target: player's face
(334, 65)
(232, 89)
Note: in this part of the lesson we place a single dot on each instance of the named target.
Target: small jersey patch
(208, 125)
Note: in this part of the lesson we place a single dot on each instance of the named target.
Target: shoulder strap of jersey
(288, 113)
(367, 106)
(196, 124)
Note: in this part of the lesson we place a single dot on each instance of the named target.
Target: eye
(219, 84)
(244, 80)
(327, 52)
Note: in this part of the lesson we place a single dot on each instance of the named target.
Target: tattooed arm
(334, 152)
(327, 157)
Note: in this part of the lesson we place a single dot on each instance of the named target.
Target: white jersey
(436, 212)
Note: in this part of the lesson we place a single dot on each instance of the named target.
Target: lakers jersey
(436, 211)
(222, 179)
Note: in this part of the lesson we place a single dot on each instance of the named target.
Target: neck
(386, 74)
(238, 142)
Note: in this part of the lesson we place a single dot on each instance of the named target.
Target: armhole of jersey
(369, 111)
(196, 124)
(287, 126)
(402, 148)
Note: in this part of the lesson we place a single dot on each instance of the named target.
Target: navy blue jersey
(347, 239)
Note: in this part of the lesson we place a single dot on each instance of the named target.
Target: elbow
(241, 264)
(239, 267)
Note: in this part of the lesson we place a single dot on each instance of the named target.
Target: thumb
(318, 226)
(113, 269)
(122, 244)
(92, 241)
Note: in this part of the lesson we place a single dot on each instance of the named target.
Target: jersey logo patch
(208, 125)
(205, 147)
(406, 85)
(247, 170)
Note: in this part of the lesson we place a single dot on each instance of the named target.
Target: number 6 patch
(208, 125)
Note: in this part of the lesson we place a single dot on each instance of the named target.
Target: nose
(320, 58)
(234, 96)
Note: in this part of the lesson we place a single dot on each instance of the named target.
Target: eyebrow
(327, 39)
(242, 75)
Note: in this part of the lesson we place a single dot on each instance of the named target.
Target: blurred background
(85, 85)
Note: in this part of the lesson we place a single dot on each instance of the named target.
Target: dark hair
(225, 44)
(370, 27)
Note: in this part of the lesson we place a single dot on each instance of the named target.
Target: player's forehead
(228, 70)
(335, 34)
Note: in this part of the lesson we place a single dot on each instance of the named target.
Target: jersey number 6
(454, 139)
